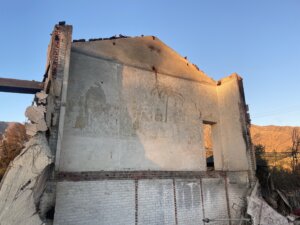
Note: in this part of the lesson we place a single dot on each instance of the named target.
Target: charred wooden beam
(20, 86)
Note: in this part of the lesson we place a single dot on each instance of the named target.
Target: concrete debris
(284, 199)
(92, 39)
(36, 115)
(47, 202)
(41, 97)
(24, 182)
(33, 128)
(41, 125)
(196, 67)
(79, 40)
(100, 39)
(261, 212)
(123, 36)
(62, 23)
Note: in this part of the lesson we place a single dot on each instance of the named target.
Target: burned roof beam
(20, 86)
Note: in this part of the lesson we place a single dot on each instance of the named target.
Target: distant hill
(278, 138)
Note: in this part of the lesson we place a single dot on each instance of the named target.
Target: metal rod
(207, 220)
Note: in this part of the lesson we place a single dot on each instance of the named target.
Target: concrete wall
(134, 104)
(128, 109)
(234, 149)
(120, 117)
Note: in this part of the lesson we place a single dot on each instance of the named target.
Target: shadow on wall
(97, 125)
(131, 118)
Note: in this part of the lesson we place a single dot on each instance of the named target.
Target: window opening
(208, 145)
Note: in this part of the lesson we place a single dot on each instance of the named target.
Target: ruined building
(140, 136)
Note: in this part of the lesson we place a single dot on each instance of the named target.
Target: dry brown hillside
(278, 138)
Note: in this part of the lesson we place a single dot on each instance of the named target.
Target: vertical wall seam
(63, 95)
(227, 198)
(245, 126)
(219, 129)
(202, 199)
(136, 201)
(175, 202)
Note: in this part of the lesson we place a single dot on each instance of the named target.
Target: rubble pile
(262, 213)
(36, 114)
(24, 182)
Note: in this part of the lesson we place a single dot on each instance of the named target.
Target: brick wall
(189, 201)
(214, 199)
(237, 183)
(95, 202)
(57, 70)
(175, 201)
(156, 202)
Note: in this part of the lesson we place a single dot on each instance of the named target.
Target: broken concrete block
(24, 182)
(261, 212)
(41, 125)
(35, 113)
(31, 129)
(41, 97)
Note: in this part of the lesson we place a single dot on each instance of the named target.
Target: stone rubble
(41, 97)
(261, 212)
(36, 115)
(22, 190)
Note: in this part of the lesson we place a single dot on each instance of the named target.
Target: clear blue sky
(258, 39)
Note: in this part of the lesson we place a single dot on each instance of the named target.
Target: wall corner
(56, 82)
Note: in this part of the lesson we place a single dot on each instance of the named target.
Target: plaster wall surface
(120, 117)
(146, 53)
(234, 148)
